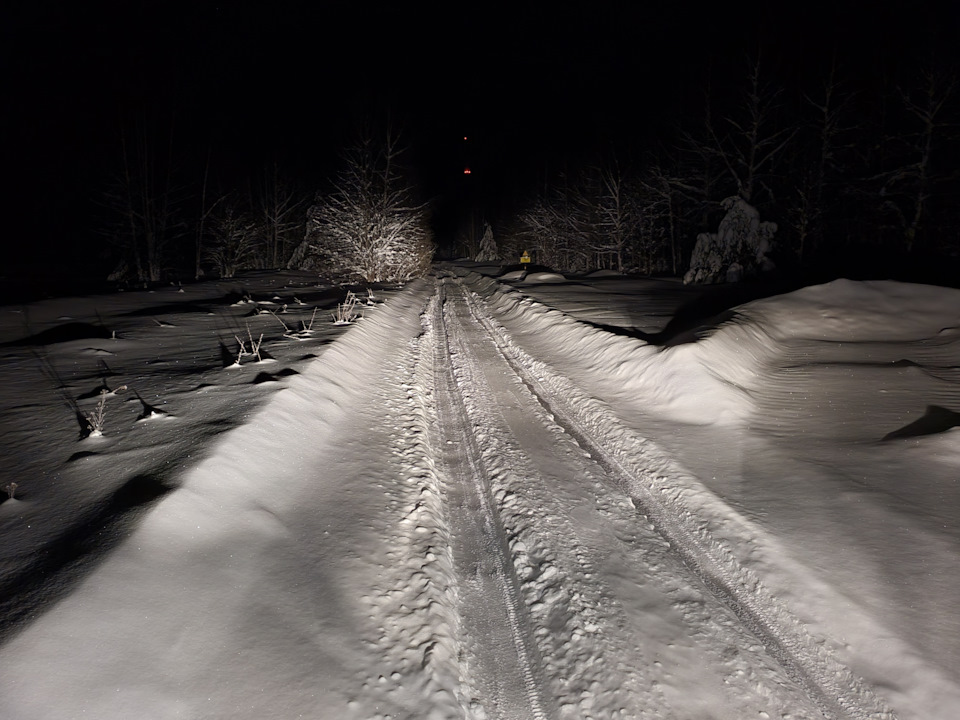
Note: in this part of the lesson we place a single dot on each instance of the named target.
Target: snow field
(234, 597)
(456, 509)
(74, 347)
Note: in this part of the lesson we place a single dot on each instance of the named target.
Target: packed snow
(525, 496)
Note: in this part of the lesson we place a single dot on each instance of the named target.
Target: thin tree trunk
(203, 216)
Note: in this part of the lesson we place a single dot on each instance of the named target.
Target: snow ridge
(667, 496)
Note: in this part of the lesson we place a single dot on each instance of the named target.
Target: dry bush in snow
(369, 227)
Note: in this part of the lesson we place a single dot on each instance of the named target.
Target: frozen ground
(525, 499)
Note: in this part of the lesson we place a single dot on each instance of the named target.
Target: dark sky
(529, 83)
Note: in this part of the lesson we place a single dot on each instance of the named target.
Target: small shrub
(254, 350)
(96, 418)
(346, 312)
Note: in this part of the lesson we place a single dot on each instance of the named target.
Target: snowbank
(711, 381)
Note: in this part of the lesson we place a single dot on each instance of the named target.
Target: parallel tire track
(468, 475)
(593, 666)
(830, 685)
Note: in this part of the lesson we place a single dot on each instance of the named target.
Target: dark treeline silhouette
(169, 214)
(151, 142)
(170, 211)
(854, 161)
(860, 179)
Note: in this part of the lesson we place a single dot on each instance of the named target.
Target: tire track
(655, 486)
(415, 605)
(509, 684)
(593, 667)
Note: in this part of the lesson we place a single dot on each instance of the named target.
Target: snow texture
(484, 500)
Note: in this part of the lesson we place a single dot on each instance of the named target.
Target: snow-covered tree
(488, 246)
(370, 227)
(740, 247)
(469, 232)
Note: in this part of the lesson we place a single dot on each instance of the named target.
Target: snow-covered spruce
(740, 248)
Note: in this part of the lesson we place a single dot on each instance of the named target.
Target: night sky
(246, 82)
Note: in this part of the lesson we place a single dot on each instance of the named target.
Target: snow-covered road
(592, 588)
(578, 495)
(429, 521)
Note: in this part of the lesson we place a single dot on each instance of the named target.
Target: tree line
(843, 177)
(848, 179)
(366, 224)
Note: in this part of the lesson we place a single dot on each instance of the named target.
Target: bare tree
(613, 204)
(750, 144)
(589, 220)
(906, 189)
(281, 210)
(201, 220)
(661, 197)
(819, 167)
(233, 237)
(698, 162)
(550, 229)
(370, 227)
(144, 202)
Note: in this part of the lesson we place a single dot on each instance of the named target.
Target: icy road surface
(428, 521)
